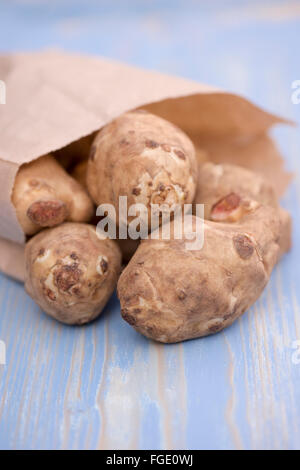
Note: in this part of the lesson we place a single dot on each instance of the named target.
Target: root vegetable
(171, 294)
(44, 195)
(70, 272)
(145, 158)
(217, 182)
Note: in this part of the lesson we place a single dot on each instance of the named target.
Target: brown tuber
(145, 158)
(44, 195)
(216, 182)
(170, 293)
(70, 272)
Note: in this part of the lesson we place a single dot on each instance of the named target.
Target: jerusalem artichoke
(70, 272)
(44, 195)
(170, 293)
(145, 158)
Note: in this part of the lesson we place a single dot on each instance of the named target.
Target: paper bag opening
(55, 99)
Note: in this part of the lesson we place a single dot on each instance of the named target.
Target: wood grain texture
(104, 385)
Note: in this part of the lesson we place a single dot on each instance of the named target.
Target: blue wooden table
(104, 385)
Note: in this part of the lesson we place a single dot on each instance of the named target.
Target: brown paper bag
(54, 98)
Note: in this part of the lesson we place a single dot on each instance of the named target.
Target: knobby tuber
(145, 158)
(70, 272)
(215, 182)
(170, 293)
(44, 195)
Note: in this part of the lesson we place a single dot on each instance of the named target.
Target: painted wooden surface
(105, 386)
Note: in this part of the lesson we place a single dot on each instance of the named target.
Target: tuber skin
(143, 157)
(70, 272)
(44, 195)
(172, 294)
(216, 182)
